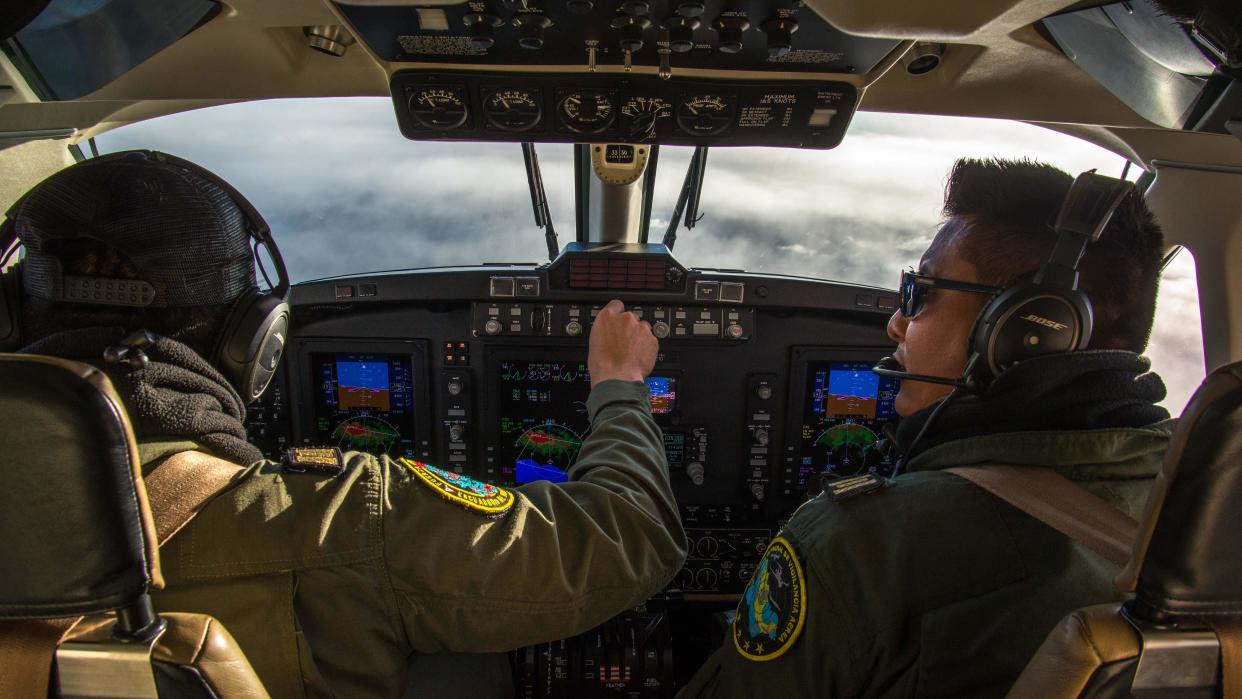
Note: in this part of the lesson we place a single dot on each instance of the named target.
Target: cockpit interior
(763, 385)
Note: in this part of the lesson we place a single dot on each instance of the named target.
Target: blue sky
(345, 193)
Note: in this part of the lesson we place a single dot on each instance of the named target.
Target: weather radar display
(365, 402)
(543, 416)
(847, 408)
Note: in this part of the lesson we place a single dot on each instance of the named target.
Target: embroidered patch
(463, 490)
(327, 460)
(845, 488)
(773, 608)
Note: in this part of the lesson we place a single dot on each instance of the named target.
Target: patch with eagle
(773, 608)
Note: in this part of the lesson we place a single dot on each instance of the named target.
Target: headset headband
(1086, 211)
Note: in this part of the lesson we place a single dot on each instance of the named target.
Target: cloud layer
(346, 193)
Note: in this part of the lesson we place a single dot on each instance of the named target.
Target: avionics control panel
(751, 424)
(463, 105)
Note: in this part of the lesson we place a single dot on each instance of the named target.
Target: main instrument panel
(762, 389)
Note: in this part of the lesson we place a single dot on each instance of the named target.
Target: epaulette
(840, 489)
(326, 460)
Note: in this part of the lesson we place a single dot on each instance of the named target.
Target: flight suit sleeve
(553, 561)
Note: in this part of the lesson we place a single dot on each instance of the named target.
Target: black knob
(631, 32)
(482, 29)
(780, 35)
(530, 30)
(730, 30)
(579, 7)
(681, 33)
(635, 8)
(691, 8)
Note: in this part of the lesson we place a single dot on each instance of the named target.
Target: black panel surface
(399, 34)
(633, 109)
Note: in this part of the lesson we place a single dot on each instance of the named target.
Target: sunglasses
(914, 288)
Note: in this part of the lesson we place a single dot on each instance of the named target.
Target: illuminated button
(734, 332)
(367, 290)
(886, 303)
(527, 286)
(345, 291)
(864, 300)
(706, 291)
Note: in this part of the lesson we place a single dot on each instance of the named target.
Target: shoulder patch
(463, 490)
(772, 610)
(327, 460)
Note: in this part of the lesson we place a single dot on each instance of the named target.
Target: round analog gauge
(644, 114)
(438, 108)
(586, 112)
(512, 110)
(705, 115)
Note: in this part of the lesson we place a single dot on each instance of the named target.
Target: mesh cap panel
(113, 217)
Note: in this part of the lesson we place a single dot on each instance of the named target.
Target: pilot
(334, 573)
(928, 585)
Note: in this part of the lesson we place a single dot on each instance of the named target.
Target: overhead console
(630, 108)
(733, 35)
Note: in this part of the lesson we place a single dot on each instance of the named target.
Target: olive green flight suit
(330, 584)
(933, 586)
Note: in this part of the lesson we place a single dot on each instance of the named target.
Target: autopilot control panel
(762, 390)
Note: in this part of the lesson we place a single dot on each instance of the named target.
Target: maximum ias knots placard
(773, 608)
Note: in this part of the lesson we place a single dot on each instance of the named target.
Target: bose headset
(252, 343)
(1045, 313)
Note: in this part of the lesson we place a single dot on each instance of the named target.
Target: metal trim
(108, 669)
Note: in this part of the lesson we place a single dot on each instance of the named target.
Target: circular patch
(770, 613)
(463, 490)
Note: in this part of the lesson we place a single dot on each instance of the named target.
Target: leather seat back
(1177, 636)
(80, 544)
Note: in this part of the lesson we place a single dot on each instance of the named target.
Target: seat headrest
(1190, 562)
(77, 529)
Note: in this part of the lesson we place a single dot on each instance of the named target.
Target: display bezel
(416, 350)
(800, 361)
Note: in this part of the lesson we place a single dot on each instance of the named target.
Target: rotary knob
(761, 437)
(631, 31)
(579, 7)
(482, 29)
(573, 328)
(706, 578)
(708, 547)
(530, 28)
(757, 491)
(660, 329)
(492, 326)
(681, 33)
(695, 473)
(763, 391)
(454, 387)
(735, 332)
(730, 30)
(456, 432)
(780, 35)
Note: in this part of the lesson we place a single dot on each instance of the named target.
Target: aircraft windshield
(345, 193)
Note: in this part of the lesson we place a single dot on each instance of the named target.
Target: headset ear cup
(10, 309)
(252, 345)
(1030, 320)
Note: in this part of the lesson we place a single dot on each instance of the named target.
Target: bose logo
(1045, 322)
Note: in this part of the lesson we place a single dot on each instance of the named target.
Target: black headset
(253, 341)
(1044, 313)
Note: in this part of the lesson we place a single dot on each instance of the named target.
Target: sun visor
(1153, 63)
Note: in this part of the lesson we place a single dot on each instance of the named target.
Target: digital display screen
(364, 402)
(543, 416)
(846, 408)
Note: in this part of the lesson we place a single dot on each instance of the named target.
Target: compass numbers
(438, 108)
(586, 111)
(512, 110)
(705, 115)
(645, 114)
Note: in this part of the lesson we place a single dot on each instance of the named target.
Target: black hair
(1006, 209)
(199, 327)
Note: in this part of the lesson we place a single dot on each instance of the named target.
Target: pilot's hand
(622, 346)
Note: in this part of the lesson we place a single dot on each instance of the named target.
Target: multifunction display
(846, 408)
(542, 416)
(365, 402)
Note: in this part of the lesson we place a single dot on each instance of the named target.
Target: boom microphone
(890, 368)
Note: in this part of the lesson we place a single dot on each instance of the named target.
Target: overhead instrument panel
(743, 35)
(474, 106)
